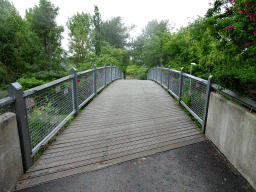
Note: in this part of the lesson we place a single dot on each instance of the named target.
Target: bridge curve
(128, 120)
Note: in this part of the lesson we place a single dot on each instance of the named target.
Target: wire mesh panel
(48, 108)
(174, 83)
(84, 86)
(155, 74)
(150, 74)
(100, 78)
(158, 75)
(165, 77)
(194, 95)
(119, 73)
(113, 73)
(108, 75)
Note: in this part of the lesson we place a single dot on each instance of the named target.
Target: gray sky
(137, 12)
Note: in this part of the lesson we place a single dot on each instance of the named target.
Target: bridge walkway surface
(128, 120)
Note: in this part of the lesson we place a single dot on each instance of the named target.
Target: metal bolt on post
(208, 92)
(94, 81)
(75, 92)
(181, 80)
(169, 77)
(19, 108)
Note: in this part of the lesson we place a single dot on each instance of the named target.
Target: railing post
(153, 71)
(208, 92)
(105, 76)
(110, 73)
(19, 108)
(154, 74)
(75, 92)
(162, 75)
(115, 72)
(168, 84)
(94, 81)
(181, 80)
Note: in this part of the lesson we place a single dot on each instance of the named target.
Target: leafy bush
(137, 72)
(30, 83)
(48, 75)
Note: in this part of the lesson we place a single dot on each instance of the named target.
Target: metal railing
(192, 92)
(43, 110)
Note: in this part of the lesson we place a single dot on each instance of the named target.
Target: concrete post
(11, 168)
(19, 108)
(75, 92)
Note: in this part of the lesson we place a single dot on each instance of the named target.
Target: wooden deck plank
(129, 119)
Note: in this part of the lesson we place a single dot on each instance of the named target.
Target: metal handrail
(53, 104)
(7, 101)
(247, 102)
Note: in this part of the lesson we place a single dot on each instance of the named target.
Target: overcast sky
(137, 12)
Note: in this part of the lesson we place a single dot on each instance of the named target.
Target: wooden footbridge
(128, 120)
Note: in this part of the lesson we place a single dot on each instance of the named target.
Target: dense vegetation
(221, 43)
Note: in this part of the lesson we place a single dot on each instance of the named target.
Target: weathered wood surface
(129, 119)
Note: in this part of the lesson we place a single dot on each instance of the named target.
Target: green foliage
(137, 72)
(30, 83)
(80, 44)
(222, 44)
(42, 20)
(148, 47)
(116, 33)
(98, 31)
(40, 130)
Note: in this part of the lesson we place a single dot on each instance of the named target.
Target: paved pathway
(130, 119)
(198, 167)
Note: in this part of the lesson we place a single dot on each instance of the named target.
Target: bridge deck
(128, 120)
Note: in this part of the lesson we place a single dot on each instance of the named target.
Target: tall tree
(42, 20)
(11, 43)
(116, 33)
(98, 31)
(148, 47)
(155, 28)
(79, 26)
